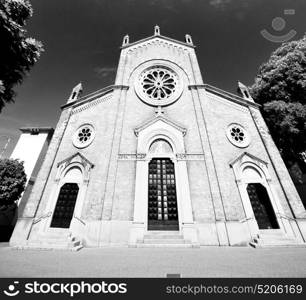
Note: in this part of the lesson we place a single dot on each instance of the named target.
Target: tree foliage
(12, 181)
(280, 87)
(18, 53)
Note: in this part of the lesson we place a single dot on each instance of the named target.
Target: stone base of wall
(97, 233)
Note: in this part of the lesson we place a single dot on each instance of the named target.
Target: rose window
(83, 136)
(159, 83)
(237, 135)
(158, 86)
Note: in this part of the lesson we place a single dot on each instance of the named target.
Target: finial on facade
(244, 92)
(188, 39)
(159, 111)
(126, 40)
(156, 30)
(76, 92)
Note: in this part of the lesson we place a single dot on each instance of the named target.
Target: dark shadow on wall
(8, 218)
(298, 175)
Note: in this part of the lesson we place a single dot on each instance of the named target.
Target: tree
(12, 181)
(280, 87)
(18, 53)
(12, 184)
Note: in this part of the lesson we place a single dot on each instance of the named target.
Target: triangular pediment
(244, 157)
(157, 38)
(160, 118)
(76, 158)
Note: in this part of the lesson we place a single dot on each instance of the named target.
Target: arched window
(66, 200)
(160, 146)
(259, 198)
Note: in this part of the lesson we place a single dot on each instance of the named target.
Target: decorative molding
(248, 160)
(37, 130)
(190, 156)
(91, 104)
(229, 96)
(161, 39)
(131, 156)
(196, 86)
(94, 95)
(179, 156)
(76, 159)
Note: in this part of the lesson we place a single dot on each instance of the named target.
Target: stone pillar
(120, 97)
(208, 157)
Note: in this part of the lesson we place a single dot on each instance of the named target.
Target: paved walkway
(154, 262)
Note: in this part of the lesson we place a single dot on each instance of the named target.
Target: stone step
(140, 245)
(163, 236)
(269, 232)
(47, 242)
(163, 232)
(274, 239)
(165, 241)
(283, 245)
(278, 242)
(47, 247)
(54, 235)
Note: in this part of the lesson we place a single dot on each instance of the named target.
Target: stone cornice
(224, 94)
(95, 95)
(37, 130)
(157, 37)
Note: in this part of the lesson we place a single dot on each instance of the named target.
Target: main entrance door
(262, 206)
(162, 208)
(65, 204)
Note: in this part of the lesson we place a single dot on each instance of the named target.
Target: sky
(82, 40)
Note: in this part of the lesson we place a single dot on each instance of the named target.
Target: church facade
(160, 159)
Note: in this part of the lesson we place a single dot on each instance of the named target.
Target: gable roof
(162, 37)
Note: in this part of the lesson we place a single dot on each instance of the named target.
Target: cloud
(103, 72)
(220, 4)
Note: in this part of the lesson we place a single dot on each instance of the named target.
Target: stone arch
(161, 128)
(253, 178)
(73, 171)
(67, 196)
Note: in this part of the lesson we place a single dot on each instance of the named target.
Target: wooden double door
(65, 205)
(162, 196)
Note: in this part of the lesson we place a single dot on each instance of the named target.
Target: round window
(84, 136)
(158, 86)
(237, 135)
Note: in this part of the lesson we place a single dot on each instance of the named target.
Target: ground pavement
(154, 262)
